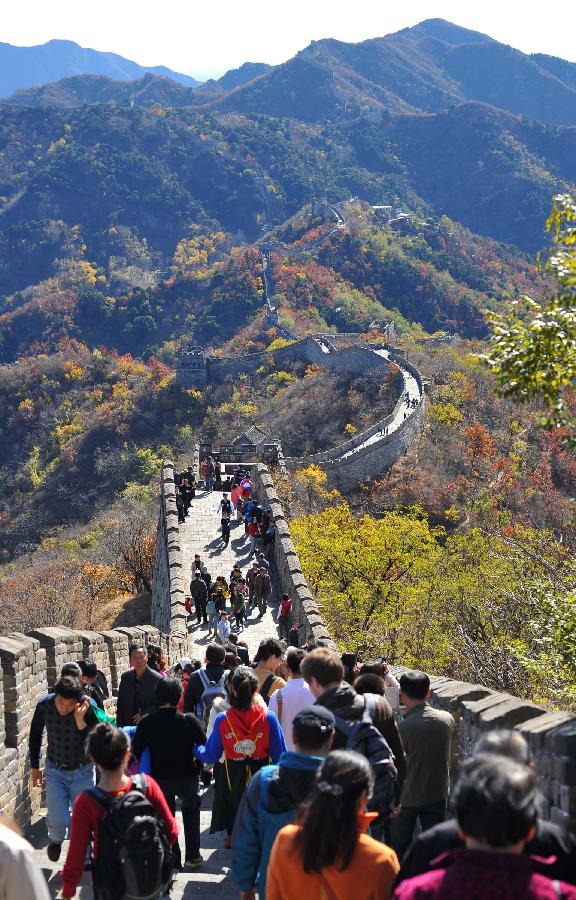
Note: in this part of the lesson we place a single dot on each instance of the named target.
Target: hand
(36, 778)
(248, 895)
(136, 718)
(396, 810)
(80, 713)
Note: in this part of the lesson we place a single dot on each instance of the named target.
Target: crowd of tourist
(321, 788)
(331, 777)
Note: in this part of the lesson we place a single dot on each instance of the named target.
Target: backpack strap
(329, 892)
(267, 773)
(204, 678)
(344, 725)
(280, 700)
(370, 708)
(99, 797)
(223, 678)
(265, 689)
(139, 783)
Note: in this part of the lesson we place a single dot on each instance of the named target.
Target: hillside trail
(199, 534)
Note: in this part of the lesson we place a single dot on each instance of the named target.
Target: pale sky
(205, 39)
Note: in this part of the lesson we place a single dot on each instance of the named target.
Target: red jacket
(481, 875)
(285, 607)
(85, 817)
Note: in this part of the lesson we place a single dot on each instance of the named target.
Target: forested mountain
(23, 67)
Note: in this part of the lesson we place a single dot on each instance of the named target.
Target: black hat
(313, 722)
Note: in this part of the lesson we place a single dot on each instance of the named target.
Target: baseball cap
(313, 722)
(185, 661)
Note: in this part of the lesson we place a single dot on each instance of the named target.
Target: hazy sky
(206, 38)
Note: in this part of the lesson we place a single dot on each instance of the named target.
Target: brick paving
(200, 534)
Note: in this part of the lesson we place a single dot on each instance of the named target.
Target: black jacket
(550, 841)
(171, 738)
(346, 703)
(136, 695)
(198, 590)
(196, 687)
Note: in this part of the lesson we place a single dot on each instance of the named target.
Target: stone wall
(551, 736)
(286, 561)
(29, 666)
(168, 612)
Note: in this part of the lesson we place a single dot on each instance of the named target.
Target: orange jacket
(368, 877)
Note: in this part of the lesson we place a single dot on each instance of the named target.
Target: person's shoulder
(278, 683)
(13, 841)
(287, 834)
(47, 700)
(422, 886)
(376, 850)
(441, 715)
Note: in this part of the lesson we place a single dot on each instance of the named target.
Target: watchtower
(191, 366)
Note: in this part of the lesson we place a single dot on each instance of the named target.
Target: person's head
(329, 819)
(231, 660)
(108, 747)
(197, 574)
(294, 659)
(241, 687)
(270, 653)
(262, 558)
(504, 742)
(184, 661)
(223, 616)
(496, 803)
(285, 596)
(224, 495)
(349, 663)
(322, 669)
(255, 566)
(215, 654)
(374, 667)
(414, 688)
(71, 668)
(167, 691)
(233, 638)
(370, 684)
(68, 694)
(89, 671)
(313, 730)
(138, 658)
(156, 658)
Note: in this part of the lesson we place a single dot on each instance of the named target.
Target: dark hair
(133, 647)
(369, 683)
(285, 596)
(329, 827)
(241, 686)
(231, 660)
(415, 684)
(374, 667)
(156, 658)
(88, 668)
(504, 742)
(196, 664)
(232, 638)
(495, 800)
(69, 688)
(294, 659)
(71, 668)
(107, 746)
(324, 665)
(215, 654)
(349, 663)
(269, 647)
(168, 690)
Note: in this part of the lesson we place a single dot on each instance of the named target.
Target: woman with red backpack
(249, 737)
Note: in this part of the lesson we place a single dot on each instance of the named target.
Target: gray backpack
(212, 690)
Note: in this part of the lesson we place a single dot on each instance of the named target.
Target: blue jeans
(62, 788)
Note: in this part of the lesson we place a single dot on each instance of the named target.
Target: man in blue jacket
(271, 799)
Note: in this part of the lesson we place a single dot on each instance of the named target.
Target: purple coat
(481, 875)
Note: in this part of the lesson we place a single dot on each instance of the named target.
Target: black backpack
(134, 861)
(363, 736)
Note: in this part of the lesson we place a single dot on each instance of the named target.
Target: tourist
(157, 659)
(248, 736)
(328, 853)
(287, 701)
(21, 877)
(324, 673)
(213, 615)
(274, 794)
(197, 565)
(213, 669)
(427, 736)
(551, 842)
(262, 590)
(284, 616)
(253, 530)
(109, 749)
(136, 695)
(496, 805)
(199, 594)
(263, 563)
(223, 627)
(294, 634)
(225, 510)
(268, 659)
(239, 604)
(250, 579)
(241, 649)
(66, 714)
(370, 684)
(89, 679)
(171, 737)
(206, 578)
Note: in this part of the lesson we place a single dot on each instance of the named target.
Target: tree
(131, 547)
(533, 353)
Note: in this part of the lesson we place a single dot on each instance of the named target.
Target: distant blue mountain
(245, 73)
(24, 67)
